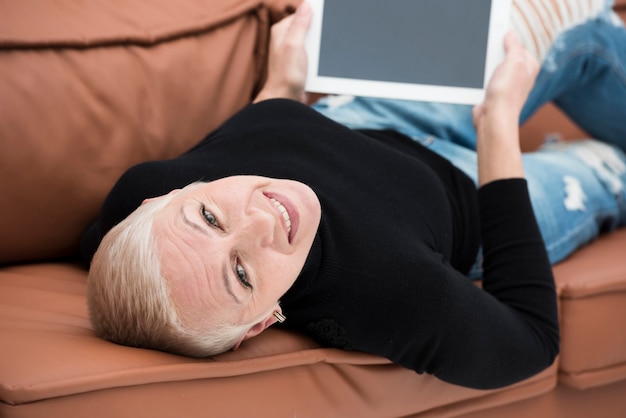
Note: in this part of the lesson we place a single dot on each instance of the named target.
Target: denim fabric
(577, 190)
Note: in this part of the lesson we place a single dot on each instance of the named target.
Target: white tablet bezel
(498, 26)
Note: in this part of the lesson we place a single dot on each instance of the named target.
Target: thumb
(301, 21)
(477, 112)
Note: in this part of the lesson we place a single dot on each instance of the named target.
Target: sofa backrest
(88, 89)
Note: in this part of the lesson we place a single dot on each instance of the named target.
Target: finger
(284, 24)
(304, 10)
(477, 111)
(512, 42)
(515, 48)
(301, 22)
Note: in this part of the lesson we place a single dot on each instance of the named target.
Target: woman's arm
(287, 63)
(497, 118)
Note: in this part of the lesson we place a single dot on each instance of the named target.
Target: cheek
(293, 266)
(282, 270)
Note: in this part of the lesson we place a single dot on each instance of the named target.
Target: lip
(292, 211)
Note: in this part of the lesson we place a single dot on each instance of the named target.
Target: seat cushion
(52, 365)
(592, 288)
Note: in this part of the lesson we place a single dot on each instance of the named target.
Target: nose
(259, 228)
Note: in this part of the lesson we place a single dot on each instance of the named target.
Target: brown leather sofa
(89, 88)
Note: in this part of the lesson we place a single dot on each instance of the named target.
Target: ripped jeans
(577, 190)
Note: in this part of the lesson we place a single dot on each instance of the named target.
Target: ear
(259, 327)
(152, 199)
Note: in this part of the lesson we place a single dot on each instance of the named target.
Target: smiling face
(232, 247)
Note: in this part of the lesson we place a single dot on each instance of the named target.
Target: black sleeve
(480, 338)
(518, 273)
(515, 330)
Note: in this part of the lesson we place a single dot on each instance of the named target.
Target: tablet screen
(397, 47)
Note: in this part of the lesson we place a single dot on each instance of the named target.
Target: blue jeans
(577, 190)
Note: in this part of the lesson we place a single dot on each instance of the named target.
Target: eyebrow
(191, 223)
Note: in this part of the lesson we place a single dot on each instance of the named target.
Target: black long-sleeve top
(400, 228)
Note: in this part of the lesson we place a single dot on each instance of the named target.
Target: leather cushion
(592, 288)
(51, 361)
(90, 88)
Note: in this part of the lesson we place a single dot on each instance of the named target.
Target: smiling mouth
(284, 214)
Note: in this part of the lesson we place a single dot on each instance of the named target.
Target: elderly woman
(361, 221)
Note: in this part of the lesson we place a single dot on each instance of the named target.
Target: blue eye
(242, 276)
(240, 272)
(209, 217)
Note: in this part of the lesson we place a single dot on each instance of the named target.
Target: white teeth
(284, 212)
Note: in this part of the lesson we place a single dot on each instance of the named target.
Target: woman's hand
(287, 63)
(497, 118)
(511, 82)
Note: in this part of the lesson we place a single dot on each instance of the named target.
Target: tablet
(426, 50)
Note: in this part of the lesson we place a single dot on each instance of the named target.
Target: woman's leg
(417, 120)
(584, 73)
(578, 190)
